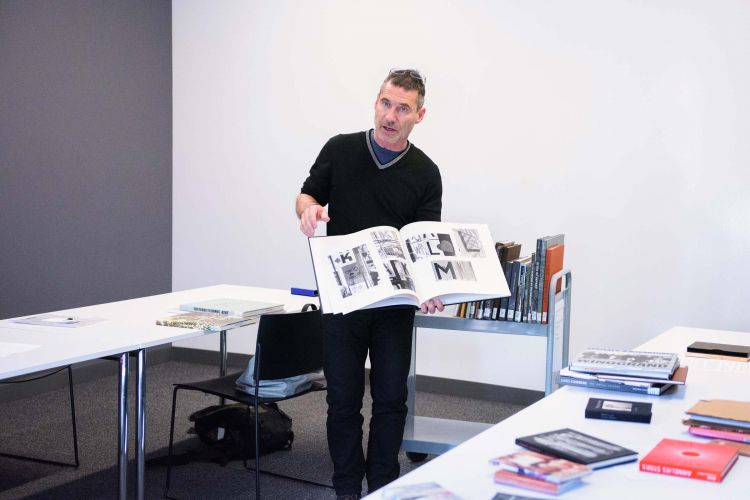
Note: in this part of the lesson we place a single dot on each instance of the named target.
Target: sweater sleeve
(432, 202)
(318, 183)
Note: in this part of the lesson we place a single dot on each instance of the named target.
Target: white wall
(623, 124)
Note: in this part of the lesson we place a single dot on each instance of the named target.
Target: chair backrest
(289, 344)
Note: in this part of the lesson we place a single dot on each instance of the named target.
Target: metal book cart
(427, 435)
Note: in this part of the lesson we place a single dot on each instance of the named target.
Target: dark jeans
(387, 334)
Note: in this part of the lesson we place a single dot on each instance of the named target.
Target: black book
(578, 447)
(617, 409)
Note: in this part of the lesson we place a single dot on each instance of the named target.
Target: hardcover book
(553, 263)
(636, 363)
(722, 411)
(719, 351)
(530, 483)
(417, 491)
(675, 457)
(578, 447)
(232, 307)
(617, 409)
(382, 266)
(205, 321)
(651, 387)
(719, 434)
(541, 466)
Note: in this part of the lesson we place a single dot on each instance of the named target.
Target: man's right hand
(309, 219)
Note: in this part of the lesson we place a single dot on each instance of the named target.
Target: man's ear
(420, 114)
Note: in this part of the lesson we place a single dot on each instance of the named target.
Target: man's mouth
(389, 129)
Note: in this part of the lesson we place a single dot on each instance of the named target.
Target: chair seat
(225, 387)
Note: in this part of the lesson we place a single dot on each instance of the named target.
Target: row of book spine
(528, 280)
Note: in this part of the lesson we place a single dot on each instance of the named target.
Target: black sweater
(346, 177)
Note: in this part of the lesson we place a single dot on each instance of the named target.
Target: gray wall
(85, 152)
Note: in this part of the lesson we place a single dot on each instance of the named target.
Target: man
(371, 179)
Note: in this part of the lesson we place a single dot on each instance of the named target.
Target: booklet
(382, 266)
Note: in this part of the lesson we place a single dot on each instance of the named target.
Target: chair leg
(73, 416)
(171, 440)
(257, 450)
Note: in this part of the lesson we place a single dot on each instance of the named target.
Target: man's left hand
(431, 306)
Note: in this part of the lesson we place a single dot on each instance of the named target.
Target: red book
(553, 263)
(674, 457)
(530, 483)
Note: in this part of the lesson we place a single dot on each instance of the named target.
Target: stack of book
(639, 372)
(725, 421)
(528, 280)
(219, 314)
(539, 472)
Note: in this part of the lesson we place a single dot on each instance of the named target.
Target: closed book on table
(617, 409)
(578, 447)
(705, 461)
(719, 351)
(530, 483)
(540, 466)
(205, 321)
(618, 362)
(232, 307)
(722, 411)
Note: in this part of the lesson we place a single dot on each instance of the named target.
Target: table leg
(122, 446)
(223, 357)
(140, 430)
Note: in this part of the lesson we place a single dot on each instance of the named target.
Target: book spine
(513, 284)
(719, 434)
(671, 470)
(538, 281)
(609, 386)
(520, 286)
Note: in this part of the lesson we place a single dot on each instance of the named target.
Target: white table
(465, 470)
(127, 326)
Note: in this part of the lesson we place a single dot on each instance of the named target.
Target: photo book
(634, 363)
(578, 447)
(382, 266)
(232, 307)
(541, 466)
(211, 322)
(675, 457)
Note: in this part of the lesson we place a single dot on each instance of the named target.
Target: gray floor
(40, 427)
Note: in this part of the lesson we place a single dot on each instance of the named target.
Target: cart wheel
(416, 457)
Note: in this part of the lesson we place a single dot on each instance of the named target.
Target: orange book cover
(675, 457)
(553, 263)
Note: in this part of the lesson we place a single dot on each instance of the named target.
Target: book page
(452, 261)
(361, 270)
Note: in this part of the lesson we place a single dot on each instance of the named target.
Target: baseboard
(82, 372)
(449, 387)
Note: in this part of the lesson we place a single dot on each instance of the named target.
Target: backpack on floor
(230, 430)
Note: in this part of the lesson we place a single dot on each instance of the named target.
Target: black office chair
(76, 462)
(287, 345)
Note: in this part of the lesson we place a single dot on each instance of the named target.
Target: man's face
(395, 115)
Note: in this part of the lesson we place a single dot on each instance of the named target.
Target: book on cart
(635, 385)
(382, 266)
(578, 447)
(205, 321)
(690, 459)
(659, 365)
(540, 466)
(232, 307)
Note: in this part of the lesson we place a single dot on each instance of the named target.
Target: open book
(382, 266)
